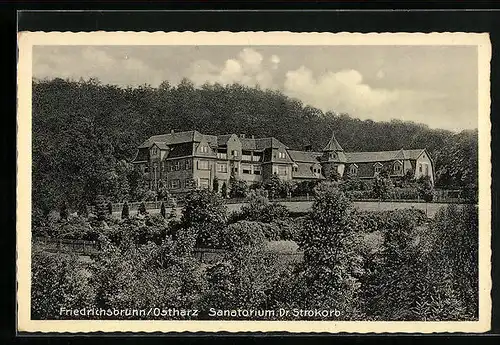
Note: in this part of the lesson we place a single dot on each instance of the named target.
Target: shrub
(425, 188)
(240, 234)
(238, 188)
(425, 272)
(273, 185)
(57, 281)
(223, 190)
(258, 208)
(125, 211)
(163, 211)
(142, 208)
(381, 187)
(204, 211)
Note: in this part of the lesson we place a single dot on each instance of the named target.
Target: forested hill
(82, 130)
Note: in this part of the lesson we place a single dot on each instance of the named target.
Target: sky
(433, 85)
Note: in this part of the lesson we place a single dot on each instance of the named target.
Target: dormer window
(281, 155)
(397, 167)
(353, 169)
(378, 168)
(204, 149)
(154, 150)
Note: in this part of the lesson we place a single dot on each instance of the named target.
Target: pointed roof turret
(333, 144)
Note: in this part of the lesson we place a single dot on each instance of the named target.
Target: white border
(26, 40)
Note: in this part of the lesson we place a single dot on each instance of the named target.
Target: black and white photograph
(315, 181)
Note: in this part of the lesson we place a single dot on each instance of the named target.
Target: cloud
(275, 60)
(346, 92)
(88, 62)
(342, 91)
(247, 69)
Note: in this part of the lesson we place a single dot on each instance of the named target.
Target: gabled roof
(265, 143)
(303, 156)
(333, 144)
(223, 139)
(382, 156)
(161, 145)
(179, 138)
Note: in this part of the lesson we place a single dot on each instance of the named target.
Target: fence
(68, 245)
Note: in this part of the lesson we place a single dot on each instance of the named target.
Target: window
(222, 168)
(234, 153)
(222, 154)
(203, 165)
(235, 169)
(154, 150)
(204, 149)
(188, 164)
(281, 170)
(146, 169)
(177, 165)
(397, 167)
(246, 169)
(256, 157)
(353, 170)
(378, 168)
(295, 169)
(420, 167)
(175, 184)
(426, 169)
(281, 155)
(275, 170)
(256, 170)
(204, 183)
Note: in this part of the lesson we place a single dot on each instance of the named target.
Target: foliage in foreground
(392, 265)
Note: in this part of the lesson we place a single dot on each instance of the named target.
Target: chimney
(242, 135)
(253, 136)
(308, 148)
(172, 131)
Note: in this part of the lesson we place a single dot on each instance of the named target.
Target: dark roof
(264, 143)
(181, 150)
(142, 155)
(179, 138)
(161, 145)
(304, 170)
(222, 139)
(303, 156)
(382, 156)
(333, 144)
(248, 144)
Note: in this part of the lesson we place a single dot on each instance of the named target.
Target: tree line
(85, 133)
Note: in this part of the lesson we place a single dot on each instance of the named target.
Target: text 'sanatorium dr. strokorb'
(297, 182)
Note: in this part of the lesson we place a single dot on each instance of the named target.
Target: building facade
(185, 160)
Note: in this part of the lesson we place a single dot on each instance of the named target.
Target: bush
(238, 188)
(240, 234)
(258, 208)
(370, 221)
(425, 272)
(382, 187)
(203, 207)
(58, 281)
(125, 211)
